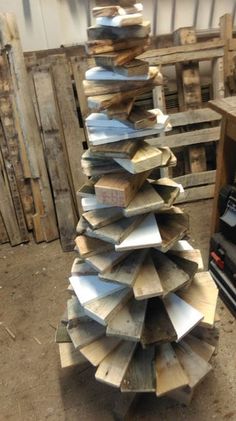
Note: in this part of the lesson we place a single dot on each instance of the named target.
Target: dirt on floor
(32, 385)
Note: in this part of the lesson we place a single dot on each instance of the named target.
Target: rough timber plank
(172, 277)
(146, 158)
(3, 233)
(104, 309)
(128, 323)
(98, 218)
(91, 246)
(73, 134)
(158, 327)
(202, 295)
(191, 255)
(105, 261)
(127, 270)
(119, 189)
(140, 375)
(146, 200)
(112, 369)
(169, 373)
(122, 149)
(196, 193)
(69, 356)
(103, 32)
(195, 367)
(202, 348)
(57, 165)
(108, 45)
(196, 179)
(121, 3)
(202, 115)
(172, 228)
(147, 283)
(78, 70)
(85, 333)
(96, 351)
(80, 267)
(120, 21)
(31, 144)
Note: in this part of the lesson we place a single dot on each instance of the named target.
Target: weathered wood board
(140, 374)
(85, 333)
(69, 356)
(146, 200)
(147, 283)
(102, 262)
(96, 351)
(91, 246)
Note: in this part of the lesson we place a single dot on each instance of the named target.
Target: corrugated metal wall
(50, 23)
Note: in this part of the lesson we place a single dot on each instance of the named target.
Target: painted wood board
(194, 366)
(202, 295)
(119, 189)
(85, 333)
(69, 356)
(79, 267)
(117, 231)
(104, 309)
(96, 351)
(127, 270)
(169, 373)
(128, 323)
(91, 203)
(146, 235)
(140, 374)
(116, 10)
(90, 288)
(81, 226)
(147, 283)
(112, 369)
(158, 327)
(172, 277)
(75, 312)
(90, 246)
(100, 73)
(124, 20)
(134, 31)
(146, 158)
(183, 316)
(105, 261)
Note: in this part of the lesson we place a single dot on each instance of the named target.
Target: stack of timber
(141, 306)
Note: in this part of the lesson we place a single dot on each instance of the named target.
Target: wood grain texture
(147, 283)
(91, 246)
(123, 149)
(69, 356)
(146, 158)
(140, 374)
(98, 218)
(96, 351)
(200, 347)
(128, 323)
(105, 261)
(146, 200)
(112, 369)
(172, 228)
(85, 333)
(170, 375)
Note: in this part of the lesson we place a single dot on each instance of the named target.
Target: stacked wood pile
(140, 307)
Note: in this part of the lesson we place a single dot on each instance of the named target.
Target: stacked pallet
(140, 307)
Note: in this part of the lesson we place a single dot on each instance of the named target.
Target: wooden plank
(85, 333)
(147, 283)
(112, 369)
(196, 193)
(194, 366)
(75, 312)
(7, 207)
(127, 270)
(104, 309)
(218, 85)
(122, 3)
(202, 348)
(96, 88)
(128, 323)
(69, 356)
(196, 179)
(55, 157)
(96, 351)
(90, 288)
(115, 10)
(202, 115)
(73, 134)
(120, 21)
(146, 235)
(197, 159)
(79, 267)
(146, 158)
(183, 316)
(226, 35)
(172, 228)
(13, 145)
(158, 326)
(140, 375)
(202, 295)
(105, 261)
(169, 373)
(116, 232)
(98, 218)
(189, 138)
(171, 276)
(123, 149)
(3, 233)
(119, 189)
(34, 163)
(108, 45)
(167, 189)
(78, 70)
(146, 200)
(192, 255)
(103, 32)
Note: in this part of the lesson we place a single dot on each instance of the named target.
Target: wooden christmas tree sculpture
(141, 306)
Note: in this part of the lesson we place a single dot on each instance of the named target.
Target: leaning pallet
(141, 304)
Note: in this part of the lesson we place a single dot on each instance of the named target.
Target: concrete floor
(32, 385)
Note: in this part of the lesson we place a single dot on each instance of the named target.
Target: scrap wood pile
(141, 309)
